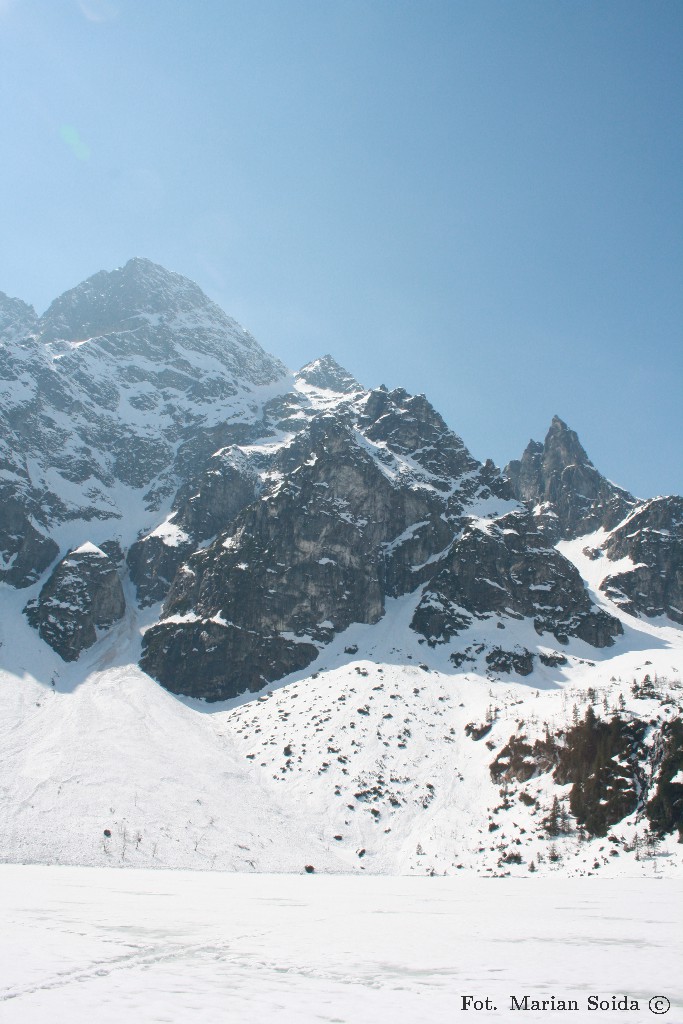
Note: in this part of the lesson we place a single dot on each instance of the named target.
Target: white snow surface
(89, 549)
(83, 945)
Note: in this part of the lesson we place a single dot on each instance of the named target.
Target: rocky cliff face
(559, 478)
(82, 596)
(367, 503)
(26, 552)
(344, 513)
(260, 513)
(507, 568)
(652, 539)
(571, 499)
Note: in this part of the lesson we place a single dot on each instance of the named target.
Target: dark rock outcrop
(558, 476)
(652, 537)
(25, 553)
(153, 563)
(82, 595)
(508, 568)
(520, 761)
(215, 660)
(227, 485)
(305, 560)
(360, 506)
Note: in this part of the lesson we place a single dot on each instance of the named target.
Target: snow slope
(362, 763)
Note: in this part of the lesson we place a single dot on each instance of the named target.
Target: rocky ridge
(566, 493)
(559, 480)
(267, 512)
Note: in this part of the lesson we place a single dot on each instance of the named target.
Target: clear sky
(476, 199)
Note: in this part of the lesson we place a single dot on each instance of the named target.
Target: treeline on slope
(605, 763)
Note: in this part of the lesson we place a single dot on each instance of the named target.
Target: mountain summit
(326, 373)
(559, 472)
(126, 382)
(143, 310)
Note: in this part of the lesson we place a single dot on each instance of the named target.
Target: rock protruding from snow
(227, 486)
(652, 537)
(411, 428)
(366, 503)
(82, 595)
(347, 518)
(507, 568)
(25, 553)
(559, 475)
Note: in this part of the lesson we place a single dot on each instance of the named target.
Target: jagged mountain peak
(558, 423)
(327, 374)
(140, 291)
(562, 445)
(143, 311)
(131, 380)
(558, 476)
(17, 318)
(111, 297)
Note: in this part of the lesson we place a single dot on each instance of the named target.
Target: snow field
(83, 944)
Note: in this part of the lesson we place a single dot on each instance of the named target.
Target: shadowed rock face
(305, 561)
(652, 537)
(82, 595)
(341, 530)
(506, 568)
(570, 499)
(215, 661)
(360, 505)
(559, 473)
(26, 553)
(227, 485)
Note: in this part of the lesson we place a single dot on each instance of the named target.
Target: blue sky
(478, 200)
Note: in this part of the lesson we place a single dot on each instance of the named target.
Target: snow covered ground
(105, 945)
(362, 763)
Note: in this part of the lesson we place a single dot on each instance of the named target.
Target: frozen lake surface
(107, 945)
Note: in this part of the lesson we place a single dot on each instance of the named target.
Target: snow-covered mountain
(252, 617)
(109, 401)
